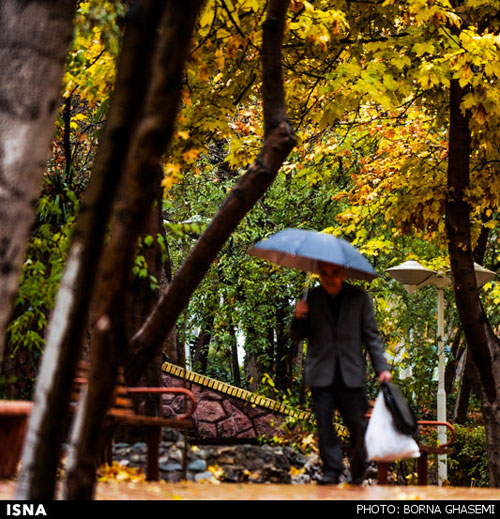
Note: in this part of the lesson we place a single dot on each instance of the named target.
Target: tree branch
(278, 142)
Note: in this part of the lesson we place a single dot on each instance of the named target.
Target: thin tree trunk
(235, 365)
(199, 350)
(252, 374)
(279, 140)
(467, 379)
(484, 346)
(200, 353)
(52, 394)
(286, 350)
(170, 345)
(450, 372)
(34, 39)
(467, 373)
(142, 184)
(67, 137)
(143, 297)
(491, 418)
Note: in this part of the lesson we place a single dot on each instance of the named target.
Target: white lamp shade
(410, 273)
(483, 275)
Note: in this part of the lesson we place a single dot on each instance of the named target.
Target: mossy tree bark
(34, 39)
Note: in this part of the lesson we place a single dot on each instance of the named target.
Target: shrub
(468, 464)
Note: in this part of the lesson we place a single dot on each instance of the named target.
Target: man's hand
(301, 309)
(385, 376)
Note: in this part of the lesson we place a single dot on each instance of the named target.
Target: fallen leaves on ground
(117, 472)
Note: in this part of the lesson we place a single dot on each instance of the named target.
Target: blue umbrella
(304, 250)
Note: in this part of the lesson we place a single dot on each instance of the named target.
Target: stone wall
(223, 412)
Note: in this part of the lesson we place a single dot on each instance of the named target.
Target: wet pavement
(115, 490)
(232, 491)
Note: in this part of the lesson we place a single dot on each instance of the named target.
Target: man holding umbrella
(338, 320)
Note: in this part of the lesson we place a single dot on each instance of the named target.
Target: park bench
(122, 413)
(425, 450)
(14, 416)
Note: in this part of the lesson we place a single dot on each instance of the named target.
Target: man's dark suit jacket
(342, 342)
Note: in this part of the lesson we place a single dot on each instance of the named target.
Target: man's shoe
(357, 480)
(329, 479)
(359, 475)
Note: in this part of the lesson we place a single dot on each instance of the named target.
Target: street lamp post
(413, 275)
(441, 282)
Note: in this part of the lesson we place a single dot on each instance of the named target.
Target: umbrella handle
(306, 290)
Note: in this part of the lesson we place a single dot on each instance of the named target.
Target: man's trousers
(352, 405)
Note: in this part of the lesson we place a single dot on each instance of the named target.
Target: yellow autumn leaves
(124, 474)
(91, 63)
(120, 473)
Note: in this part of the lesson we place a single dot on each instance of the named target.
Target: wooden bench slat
(15, 407)
(133, 419)
(121, 402)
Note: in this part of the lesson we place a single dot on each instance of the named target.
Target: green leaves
(40, 277)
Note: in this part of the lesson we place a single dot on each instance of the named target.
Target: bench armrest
(434, 423)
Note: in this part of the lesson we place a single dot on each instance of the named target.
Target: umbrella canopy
(304, 250)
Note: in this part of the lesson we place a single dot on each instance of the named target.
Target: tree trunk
(199, 349)
(235, 365)
(252, 374)
(200, 353)
(463, 367)
(34, 38)
(286, 350)
(142, 299)
(467, 377)
(491, 417)
(52, 393)
(258, 356)
(170, 345)
(279, 140)
(450, 372)
(66, 116)
(141, 187)
(484, 346)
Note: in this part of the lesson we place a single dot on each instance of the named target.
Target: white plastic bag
(383, 441)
